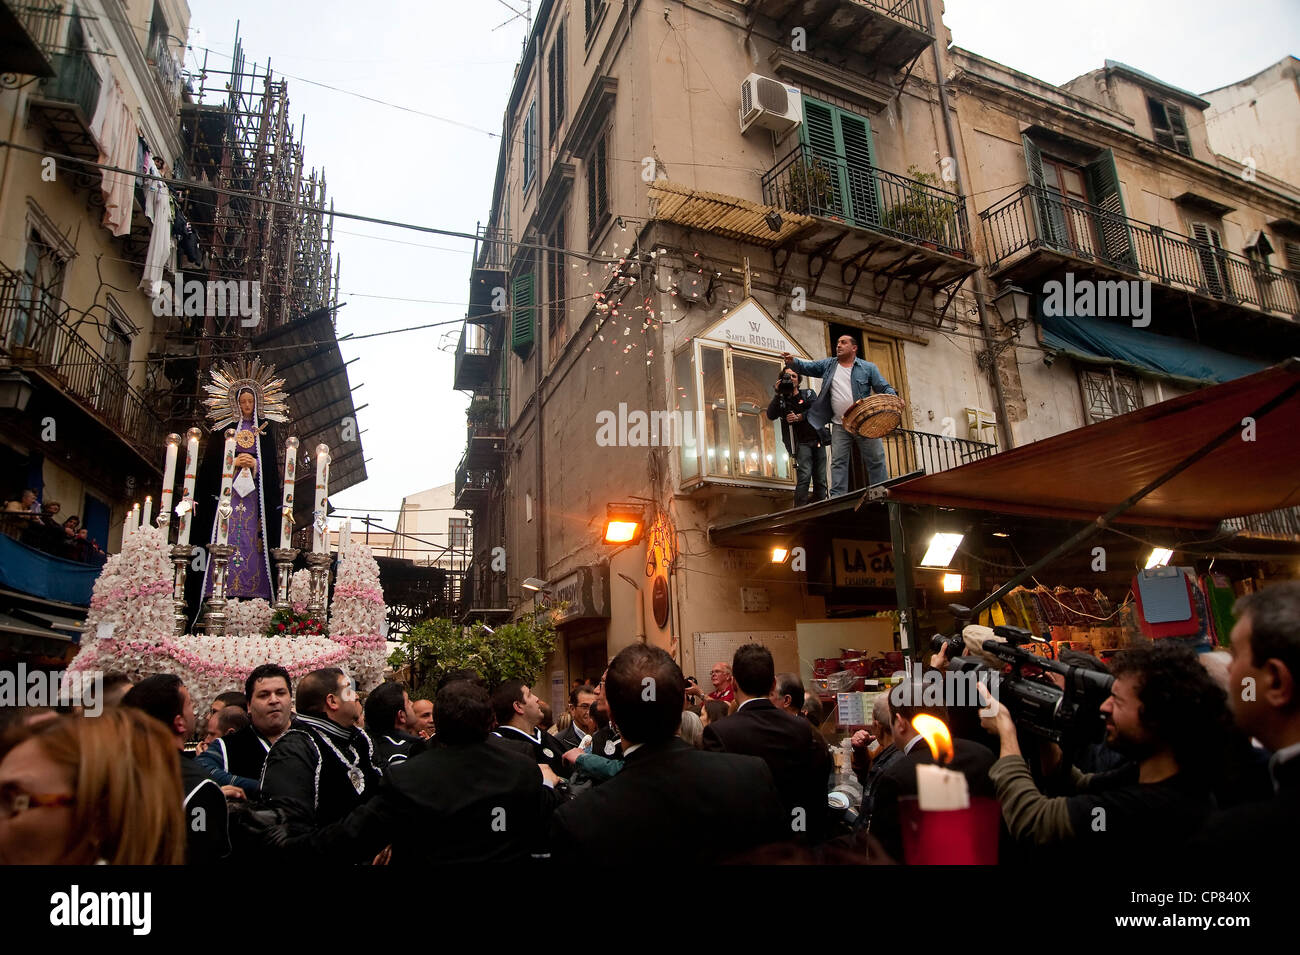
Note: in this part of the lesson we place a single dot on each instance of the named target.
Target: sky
(455, 61)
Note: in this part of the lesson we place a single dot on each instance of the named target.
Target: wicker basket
(874, 417)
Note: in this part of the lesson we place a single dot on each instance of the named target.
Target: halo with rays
(228, 378)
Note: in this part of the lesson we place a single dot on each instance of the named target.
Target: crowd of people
(37, 525)
(644, 765)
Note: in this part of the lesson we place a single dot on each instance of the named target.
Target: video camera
(1036, 703)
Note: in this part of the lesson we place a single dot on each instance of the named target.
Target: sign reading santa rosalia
(749, 326)
(863, 563)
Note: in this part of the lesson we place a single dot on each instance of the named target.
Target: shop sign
(586, 593)
(863, 563)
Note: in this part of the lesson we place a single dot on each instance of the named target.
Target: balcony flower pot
(483, 415)
(808, 187)
(921, 215)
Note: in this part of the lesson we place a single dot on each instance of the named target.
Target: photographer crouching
(1171, 719)
(804, 443)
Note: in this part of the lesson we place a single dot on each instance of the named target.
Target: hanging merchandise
(1221, 597)
(1171, 605)
(183, 233)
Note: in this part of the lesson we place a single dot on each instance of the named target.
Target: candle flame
(936, 736)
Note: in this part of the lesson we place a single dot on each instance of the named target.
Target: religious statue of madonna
(244, 395)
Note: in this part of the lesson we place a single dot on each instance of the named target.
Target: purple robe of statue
(248, 573)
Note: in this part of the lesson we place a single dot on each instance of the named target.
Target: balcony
(908, 451)
(871, 220)
(888, 32)
(35, 334)
(166, 69)
(473, 485)
(473, 357)
(489, 275)
(66, 104)
(1033, 231)
(1272, 525)
(29, 31)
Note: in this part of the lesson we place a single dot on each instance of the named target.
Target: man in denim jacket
(846, 378)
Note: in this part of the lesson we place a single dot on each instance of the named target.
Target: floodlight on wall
(779, 554)
(1159, 557)
(624, 523)
(941, 550)
(774, 220)
(952, 583)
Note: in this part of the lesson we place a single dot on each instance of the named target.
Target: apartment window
(555, 71)
(111, 392)
(597, 188)
(39, 289)
(1169, 125)
(458, 533)
(592, 11)
(530, 145)
(557, 291)
(1080, 209)
(522, 322)
(839, 158)
(1108, 393)
(1214, 263)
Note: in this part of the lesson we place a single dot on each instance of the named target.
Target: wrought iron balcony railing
(75, 81)
(867, 197)
(907, 451)
(167, 69)
(33, 49)
(34, 330)
(910, 12)
(1035, 218)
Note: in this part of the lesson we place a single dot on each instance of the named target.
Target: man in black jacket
(519, 713)
(322, 767)
(897, 780)
(237, 759)
(1264, 694)
(670, 804)
(389, 721)
(581, 701)
(207, 836)
(468, 799)
(805, 444)
(791, 747)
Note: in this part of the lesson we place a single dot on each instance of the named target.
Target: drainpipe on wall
(981, 293)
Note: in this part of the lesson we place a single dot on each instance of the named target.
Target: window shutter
(1049, 217)
(818, 134)
(1207, 245)
(522, 322)
(1112, 223)
(1178, 123)
(863, 189)
(597, 189)
(1292, 251)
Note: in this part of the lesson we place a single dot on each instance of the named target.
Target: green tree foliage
(516, 651)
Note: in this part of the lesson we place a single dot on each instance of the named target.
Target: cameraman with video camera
(805, 444)
(1169, 717)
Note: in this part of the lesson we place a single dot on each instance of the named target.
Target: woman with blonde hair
(83, 790)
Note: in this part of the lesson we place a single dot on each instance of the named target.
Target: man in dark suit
(519, 715)
(671, 804)
(791, 747)
(581, 701)
(468, 799)
(1264, 694)
(898, 779)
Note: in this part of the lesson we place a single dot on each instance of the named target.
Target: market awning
(1082, 474)
(1093, 340)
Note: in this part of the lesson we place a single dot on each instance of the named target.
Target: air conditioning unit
(770, 104)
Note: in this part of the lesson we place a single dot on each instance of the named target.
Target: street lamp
(624, 523)
(1012, 303)
(533, 583)
(15, 390)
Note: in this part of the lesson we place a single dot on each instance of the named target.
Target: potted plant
(922, 215)
(483, 414)
(808, 186)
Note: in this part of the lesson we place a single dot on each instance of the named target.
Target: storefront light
(779, 554)
(952, 583)
(942, 549)
(1159, 557)
(624, 523)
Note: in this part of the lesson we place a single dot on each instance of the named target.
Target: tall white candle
(290, 473)
(345, 535)
(169, 477)
(187, 485)
(135, 514)
(227, 479)
(939, 789)
(148, 510)
(320, 538)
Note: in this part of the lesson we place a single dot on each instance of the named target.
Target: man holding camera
(1166, 714)
(805, 444)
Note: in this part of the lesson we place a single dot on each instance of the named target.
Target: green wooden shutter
(818, 134)
(522, 320)
(1209, 249)
(1049, 216)
(863, 187)
(1111, 222)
